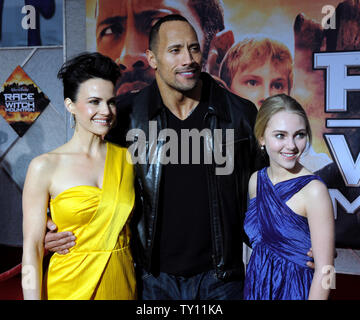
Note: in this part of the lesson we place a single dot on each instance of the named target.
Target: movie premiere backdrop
(31, 108)
(315, 48)
(309, 49)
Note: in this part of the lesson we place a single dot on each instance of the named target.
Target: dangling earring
(262, 147)
(72, 121)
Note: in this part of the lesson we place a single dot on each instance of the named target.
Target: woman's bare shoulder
(316, 188)
(47, 162)
(42, 164)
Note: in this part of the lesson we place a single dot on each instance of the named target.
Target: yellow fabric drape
(100, 265)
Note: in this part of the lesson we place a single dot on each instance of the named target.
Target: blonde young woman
(88, 185)
(290, 211)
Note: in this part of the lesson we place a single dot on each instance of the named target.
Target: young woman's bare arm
(35, 203)
(320, 216)
(253, 185)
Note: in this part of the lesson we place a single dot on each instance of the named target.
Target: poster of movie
(31, 23)
(21, 101)
(307, 49)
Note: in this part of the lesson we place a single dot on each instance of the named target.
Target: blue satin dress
(280, 240)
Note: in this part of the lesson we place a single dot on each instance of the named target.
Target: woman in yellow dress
(89, 186)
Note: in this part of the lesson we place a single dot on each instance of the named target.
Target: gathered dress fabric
(100, 265)
(280, 240)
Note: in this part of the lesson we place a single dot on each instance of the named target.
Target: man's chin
(131, 87)
(187, 86)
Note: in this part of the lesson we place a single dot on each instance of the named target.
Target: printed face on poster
(309, 50)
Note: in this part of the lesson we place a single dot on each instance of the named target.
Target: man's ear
(219, 45)
(150, 56)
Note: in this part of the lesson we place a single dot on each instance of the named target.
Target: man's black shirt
(183, 228)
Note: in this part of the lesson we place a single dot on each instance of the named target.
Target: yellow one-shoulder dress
(100, 265)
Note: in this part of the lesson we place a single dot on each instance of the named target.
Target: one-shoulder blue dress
(280, 240)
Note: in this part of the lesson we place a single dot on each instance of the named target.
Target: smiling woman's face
(285, 139)
(94, 108)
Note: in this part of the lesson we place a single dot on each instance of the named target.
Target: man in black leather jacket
(187, 226)
(188, 221)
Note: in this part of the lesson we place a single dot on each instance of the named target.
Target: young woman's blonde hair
(252, 52)
(275, 104)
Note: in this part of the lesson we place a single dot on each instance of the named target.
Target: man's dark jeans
(203, 286)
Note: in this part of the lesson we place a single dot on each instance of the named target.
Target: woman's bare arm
(320, 216)
(35, 203)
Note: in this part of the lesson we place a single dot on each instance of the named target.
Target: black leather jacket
(227, 193)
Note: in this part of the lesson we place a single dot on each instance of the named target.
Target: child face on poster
(258, 83)
(256, 69)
